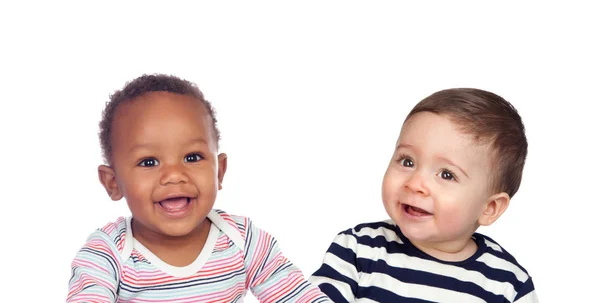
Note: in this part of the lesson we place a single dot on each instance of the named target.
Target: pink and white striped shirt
(113, 267)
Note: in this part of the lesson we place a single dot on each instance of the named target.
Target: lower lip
(406, 213)
(176, 214)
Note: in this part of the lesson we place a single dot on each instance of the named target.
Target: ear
(107, 177)
(494, 208)
(222, 167)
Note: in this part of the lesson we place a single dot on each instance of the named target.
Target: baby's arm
(271, 276)
(95, 271)
(338, 276)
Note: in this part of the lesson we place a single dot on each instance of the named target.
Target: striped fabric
(113, 267)
(374, 262)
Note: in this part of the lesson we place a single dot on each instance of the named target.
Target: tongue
(174, 204)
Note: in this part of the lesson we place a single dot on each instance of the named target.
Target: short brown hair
(491, 120)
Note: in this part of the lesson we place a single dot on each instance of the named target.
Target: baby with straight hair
(455, 167)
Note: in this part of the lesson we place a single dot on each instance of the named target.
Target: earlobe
(222, 168)
(494, 208)
(107, 177)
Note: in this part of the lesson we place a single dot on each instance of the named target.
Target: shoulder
(493, 248)
(239, 223)
(233, 226)
(112, 233)
(105, 244)
(375, 228)
(497, 258)
(371, 234)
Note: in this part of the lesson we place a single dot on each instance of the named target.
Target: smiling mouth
(175, 204)
(415, 211)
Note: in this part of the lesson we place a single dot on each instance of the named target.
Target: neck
(173, 250)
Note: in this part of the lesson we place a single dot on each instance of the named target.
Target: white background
(310, 99)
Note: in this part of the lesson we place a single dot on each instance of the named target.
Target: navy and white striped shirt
(374, 262)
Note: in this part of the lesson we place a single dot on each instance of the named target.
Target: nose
(417, 184)
(173, 174)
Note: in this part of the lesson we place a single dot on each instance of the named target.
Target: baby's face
(437, 182)
(165, 161)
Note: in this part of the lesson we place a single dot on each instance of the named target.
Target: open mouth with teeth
(415, 211)
(175, 204)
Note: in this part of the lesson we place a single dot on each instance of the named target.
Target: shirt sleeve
(95, 271)
(338, 275)
(527, 293)
(270, 275)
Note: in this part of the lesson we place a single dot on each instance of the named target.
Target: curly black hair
(142, 85)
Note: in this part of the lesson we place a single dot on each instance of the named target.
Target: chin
(415, 233)
(180, 228)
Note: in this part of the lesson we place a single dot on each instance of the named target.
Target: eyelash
(200, 157)
(142, 164)
(185, 159)
(403, 157)
(453, 175)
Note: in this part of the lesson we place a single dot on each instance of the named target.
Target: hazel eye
(148, 162)
(193, 158)
(447, 175)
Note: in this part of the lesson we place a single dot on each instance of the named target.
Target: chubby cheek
(206, 180)
(450, 221)
(390, 191)
(207, 188)
(138, 188)
(455, 216)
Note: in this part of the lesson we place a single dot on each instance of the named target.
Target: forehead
(159, 100)
(160, 116)
(436, 135)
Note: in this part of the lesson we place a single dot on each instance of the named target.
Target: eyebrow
(150, 145)
(404, 145)
(453, 164)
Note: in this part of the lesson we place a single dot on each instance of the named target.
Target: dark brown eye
(447, 175)
(407, 162)
(193, 158)
(148, 162)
